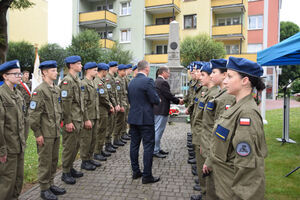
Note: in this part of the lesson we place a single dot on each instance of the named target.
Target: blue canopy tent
(286, 52)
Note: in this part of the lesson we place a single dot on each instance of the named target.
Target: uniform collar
(236, 105)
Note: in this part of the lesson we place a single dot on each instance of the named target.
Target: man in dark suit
(142, 96)
(161, 111)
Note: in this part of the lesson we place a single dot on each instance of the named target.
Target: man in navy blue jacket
(142, 96)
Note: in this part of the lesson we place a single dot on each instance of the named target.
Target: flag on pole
(37, 75)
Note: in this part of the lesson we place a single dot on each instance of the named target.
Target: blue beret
(90, 65)
(72, 59)
(134, 67)
(103, 66)
(218, 63)
(198, 64)
(128, 66)
(48, 64)
(121, 66)
(9, 65)
(206, 68)
(245, 66)
(113, 64)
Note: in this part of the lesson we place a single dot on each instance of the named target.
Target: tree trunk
(4, 5)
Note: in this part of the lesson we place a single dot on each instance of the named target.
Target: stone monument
(176, 70)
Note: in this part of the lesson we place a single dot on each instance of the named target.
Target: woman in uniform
(239, 145)
(12, 138)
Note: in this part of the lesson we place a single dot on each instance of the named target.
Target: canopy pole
(263, 99)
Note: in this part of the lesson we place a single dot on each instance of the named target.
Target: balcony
(228, 6)
(162, 6)
(98, 19)
(231, 32)
(157, 32)
(156, 58)
(249, 56)
(107, 43)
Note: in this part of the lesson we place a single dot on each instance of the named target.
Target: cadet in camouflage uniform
(72, 96)
(45, 117)
(121, 92)
(90, 118)
(113, 98)
(12, 139)
(105, 107)
(25, 88)
(239, 147)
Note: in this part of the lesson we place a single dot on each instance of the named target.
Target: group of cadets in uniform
(227, 144)
(90, 114)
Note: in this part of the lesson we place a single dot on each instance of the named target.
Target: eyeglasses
(16, 74)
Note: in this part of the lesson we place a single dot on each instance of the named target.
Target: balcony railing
(157, 30)
(215, 3)
(249, 56)
(156, 58)
(107, 43)
(237, 30)
(98, 18)
(162, 3)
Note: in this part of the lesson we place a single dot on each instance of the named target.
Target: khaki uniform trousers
(101, 134)
(88, 141)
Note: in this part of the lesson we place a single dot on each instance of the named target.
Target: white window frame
(108, 33)
(128, 37)
(256, 17)
(128, 8)
(163, 48)
(231, 46)
(231, 20)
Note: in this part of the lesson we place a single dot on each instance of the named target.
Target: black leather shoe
(99, 157)
(194, 167)
(189, 133)
(194, 172)
(114, 146)
(125, 137)
(197, 181)
(136, 175)
(192, 154)
(48, 195)
(163, 152)
(57, 190)
(191, 157)
(123, 141)
(87, 166)
(196, 197)
(193, 161)
(150, 180)
(191, 149)
(118, 143)
(159, 155)
(105, 154)
(189, 145)
(110, 149)
(97, 164)
(68, 178)
(197, 187)
(75, 173)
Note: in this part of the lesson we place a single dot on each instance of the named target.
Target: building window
(102, 34)
(161, 49)
(228, 21)
(125, 8)
(232, 49)
(160, 21)
(253, 48)
(255, 22)
(125, 35)
(103, 7)
(190, 21)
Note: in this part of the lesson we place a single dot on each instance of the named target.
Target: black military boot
(118, 143)
(197, 187)
(196, 197)
(99, 157)
(87, 166)
(193, 161)
(48, 195)
(105, 154)
(57, 190)
(123, 141)
(125, 137)
(109, 148)
(114, 146)
(75, 173)
(68, 178)
(93, 162)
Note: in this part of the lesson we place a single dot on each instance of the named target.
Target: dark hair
(68, 65)
(222, 70)
(162, 69)
(26, 71)
(256, 82)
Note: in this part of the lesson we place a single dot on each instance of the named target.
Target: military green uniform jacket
(121, 91)
(26, 96)
(193, 100)
(198, 119)
(72, 96)
(190, 93)
(199, 93)
(91, 103)
(45, 111)
(238, 151)
(112, 89)
(13, 108)
(103, 98)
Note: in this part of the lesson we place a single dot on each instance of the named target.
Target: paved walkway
(113, 179)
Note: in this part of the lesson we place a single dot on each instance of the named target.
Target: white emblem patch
(32, 105)
(108, 86)
(243, 149)
(64, 93)
(118, 87)
(101, 91)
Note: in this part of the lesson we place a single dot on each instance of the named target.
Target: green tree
(24, 52)
(289, 72)
(53, 52)
(116, 53)
(202, 48)
(4, 6)
(86, 44)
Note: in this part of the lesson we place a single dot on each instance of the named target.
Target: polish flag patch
(245, 121)
(227, 107)
(34, 93)
(65, 83)
(100, 84)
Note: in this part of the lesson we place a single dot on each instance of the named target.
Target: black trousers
(147, 134)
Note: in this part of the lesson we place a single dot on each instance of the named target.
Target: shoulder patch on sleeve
(34, 93)
(221, 132)
(64, 93)
(227, 106)
(101, 91)
(243, 149)
(201, 105)
(245, 121)
(118, 87)
(196, 100)
(65, 82)
(210, 105)
(32, 105)
(108, 86)
(82, 88)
